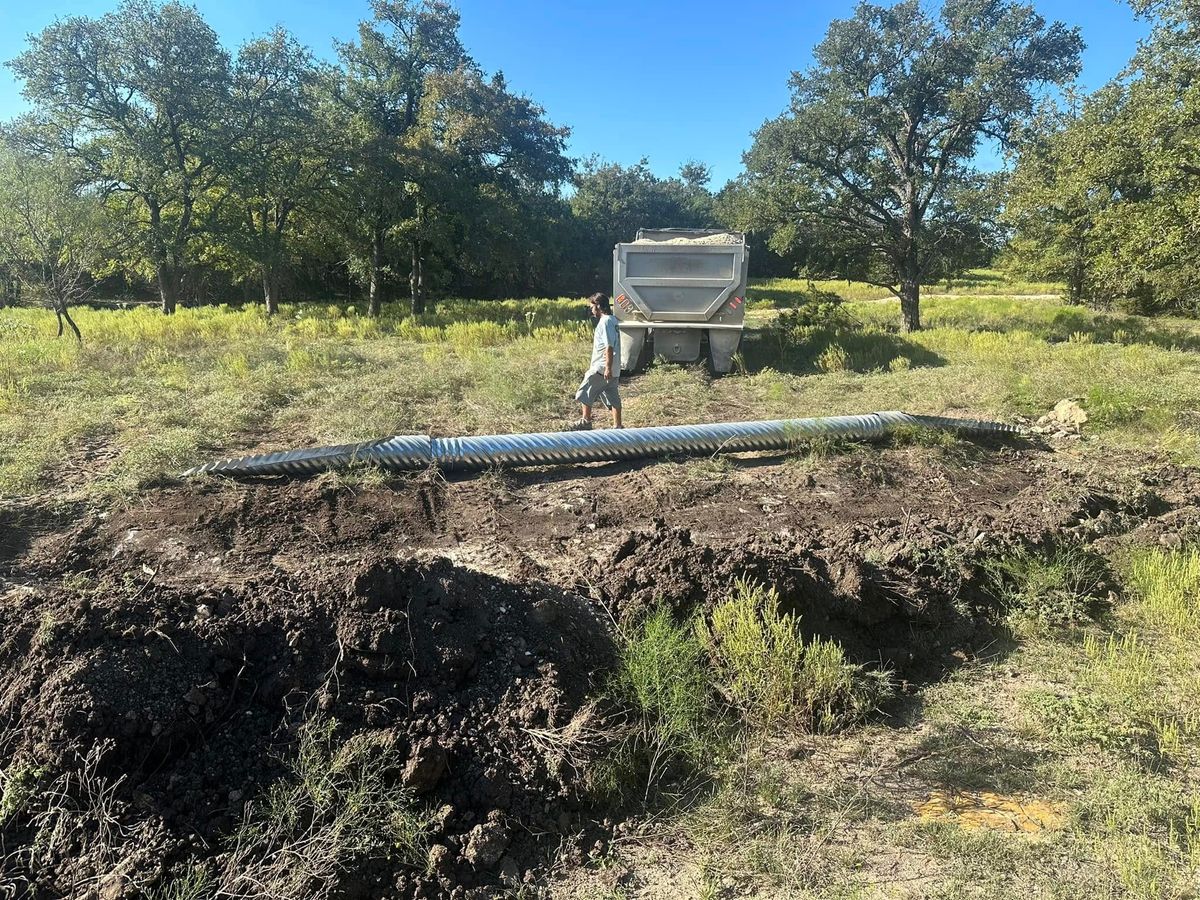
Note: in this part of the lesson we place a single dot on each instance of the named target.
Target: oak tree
(140, 100)
(875, 155)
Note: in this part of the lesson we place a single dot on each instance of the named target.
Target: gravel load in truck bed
(723, 238)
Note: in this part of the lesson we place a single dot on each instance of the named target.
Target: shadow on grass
(1082, 325)
(779, 296)
(817, 350)
(966, 758)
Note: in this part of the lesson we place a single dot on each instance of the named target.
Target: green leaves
(1104, 196)
(873, 159)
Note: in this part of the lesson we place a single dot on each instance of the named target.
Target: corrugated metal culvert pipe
(418, 451)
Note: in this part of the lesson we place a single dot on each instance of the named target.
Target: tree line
(152, 156)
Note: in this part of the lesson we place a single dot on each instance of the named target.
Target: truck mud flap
(633, 349)
(722, 344)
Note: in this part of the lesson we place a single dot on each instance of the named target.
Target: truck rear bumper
(679, 342)
(675, 326)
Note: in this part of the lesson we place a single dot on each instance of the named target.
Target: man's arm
(611, 336)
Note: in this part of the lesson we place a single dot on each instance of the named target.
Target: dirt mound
(904, 623)
(194, 700)
(719, 238)
(159, 663)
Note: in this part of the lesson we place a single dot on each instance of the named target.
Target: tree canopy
(1104, 195)
(873, 162)
(400, 167)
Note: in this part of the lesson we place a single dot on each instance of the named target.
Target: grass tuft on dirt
(688, 691)
(339, 805)
(767, 671)
(1052, 588)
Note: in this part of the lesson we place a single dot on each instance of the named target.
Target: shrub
(759, 654)
(663, 689)
(767, 671)
(833, 358)
(814, 306)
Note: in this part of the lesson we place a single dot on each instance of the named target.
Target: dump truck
(676, 289)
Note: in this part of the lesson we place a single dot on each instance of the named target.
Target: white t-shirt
(607, 335)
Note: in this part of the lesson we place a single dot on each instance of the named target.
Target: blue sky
(670, 80)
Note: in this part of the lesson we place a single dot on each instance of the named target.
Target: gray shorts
(596, 387)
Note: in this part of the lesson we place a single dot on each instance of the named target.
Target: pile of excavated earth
(158, 661)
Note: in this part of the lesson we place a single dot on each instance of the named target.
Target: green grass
(773, 676)
(662, 689)
(146, 395)
(1100, 721)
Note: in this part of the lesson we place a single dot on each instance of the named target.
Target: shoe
(580, 425)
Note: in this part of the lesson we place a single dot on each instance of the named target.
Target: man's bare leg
(616, 411)
(587, 412)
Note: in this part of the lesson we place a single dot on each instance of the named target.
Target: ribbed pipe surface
(404, 451)
(410, 452)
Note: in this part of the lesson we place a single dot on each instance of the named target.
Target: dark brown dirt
(189, 635)
(192, 694)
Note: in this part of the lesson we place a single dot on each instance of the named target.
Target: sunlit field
(146, 395)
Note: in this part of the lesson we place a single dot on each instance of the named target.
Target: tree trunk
(168, 277)
(1075, 281)
(270, 281)
(168, 287)
(910, 304)
(62, 313)
(416, 281)
(910, 264)
(375, 290)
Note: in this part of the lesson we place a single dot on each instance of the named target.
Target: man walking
(603, 375)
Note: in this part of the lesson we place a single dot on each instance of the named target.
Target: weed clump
(688, 689)
(1056, 589)
(662, 684)
(18, 785)
(337, 806)
(771, 675)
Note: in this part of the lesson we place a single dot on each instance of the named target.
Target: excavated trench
(174, 687)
